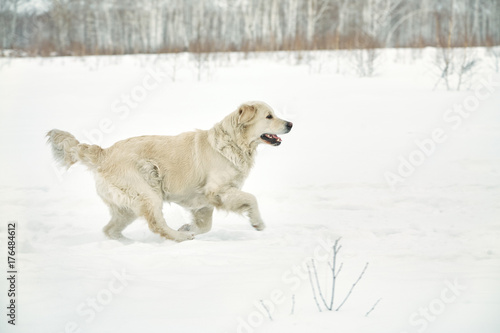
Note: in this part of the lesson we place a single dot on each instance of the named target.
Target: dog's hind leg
(151, 209)
(202, 221)
(121, 217)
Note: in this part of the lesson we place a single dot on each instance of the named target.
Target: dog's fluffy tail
(67, 150)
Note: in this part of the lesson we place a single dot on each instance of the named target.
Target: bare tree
(315, 11)
(454, 64)
(150, 26)
(9, 13)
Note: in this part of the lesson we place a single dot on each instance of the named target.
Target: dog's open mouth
(271, 139)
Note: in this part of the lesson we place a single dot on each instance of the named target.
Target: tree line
(85, 27)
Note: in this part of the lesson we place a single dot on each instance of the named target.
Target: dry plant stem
(373, 307)
(317, 284)
(267, 310)
(336, 250)
(312, 287)
(354, 285)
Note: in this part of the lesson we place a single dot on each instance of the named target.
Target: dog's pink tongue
(276, 137)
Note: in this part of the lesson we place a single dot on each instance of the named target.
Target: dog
(199, 170)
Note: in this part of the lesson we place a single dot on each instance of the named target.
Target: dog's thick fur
(199, 170)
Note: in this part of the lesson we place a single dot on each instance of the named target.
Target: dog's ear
(246, 113)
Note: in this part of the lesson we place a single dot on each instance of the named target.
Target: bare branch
(267, 310)
(373, 307)
(312, 287)
(317, 284)
(340, 269)
(336, 250)
(354, 285)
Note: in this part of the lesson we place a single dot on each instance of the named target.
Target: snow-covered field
(407, 176)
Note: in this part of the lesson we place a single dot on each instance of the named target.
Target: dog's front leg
(202, 221)
(241, 202)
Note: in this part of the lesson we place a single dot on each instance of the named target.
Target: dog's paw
(183, 236)
(185, 227)
(259, 226)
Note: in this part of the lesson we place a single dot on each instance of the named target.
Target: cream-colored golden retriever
(198, 170)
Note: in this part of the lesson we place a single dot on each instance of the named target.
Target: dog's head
(259, 123)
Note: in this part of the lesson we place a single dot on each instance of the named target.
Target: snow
(431, 240)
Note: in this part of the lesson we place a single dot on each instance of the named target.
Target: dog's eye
(269, 117)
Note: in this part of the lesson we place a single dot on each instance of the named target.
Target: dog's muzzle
(273, 139)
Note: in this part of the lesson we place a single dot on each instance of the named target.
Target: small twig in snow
(373, 307)
(293, 304)
(334, 274)
(312, 287)
(317, 284)
(354, 285)
(267, 310)
(340, 268)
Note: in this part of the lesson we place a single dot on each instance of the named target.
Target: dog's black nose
(289, 125)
